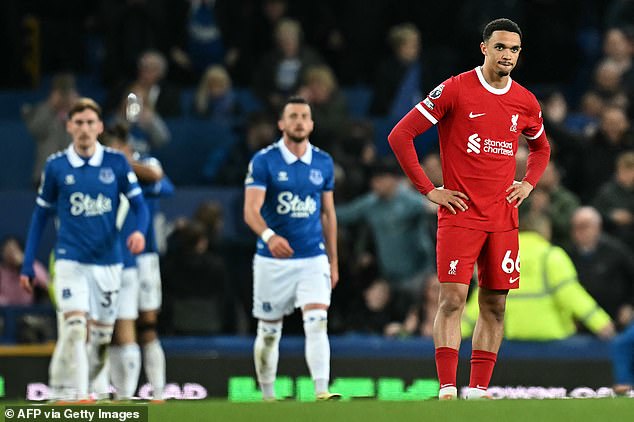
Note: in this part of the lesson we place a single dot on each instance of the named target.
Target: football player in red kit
(480, 115)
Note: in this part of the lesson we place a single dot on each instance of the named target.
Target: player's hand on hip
(136, 242)
(280, 247)
(451, 199)
(25, 283)
(518, 192)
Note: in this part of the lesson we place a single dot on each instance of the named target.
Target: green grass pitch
(556, 410)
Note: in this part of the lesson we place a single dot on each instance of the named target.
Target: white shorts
(90, 288)
(149, 281)
(129, 294)
(280, 285)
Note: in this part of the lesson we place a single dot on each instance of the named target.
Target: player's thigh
(129, 294)
(457, 249)
(499, 263)
(313, 281)
(71, 286)
(105, 283)
(150, 296)
(274, 286)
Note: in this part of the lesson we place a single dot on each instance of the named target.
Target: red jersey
(479, 127)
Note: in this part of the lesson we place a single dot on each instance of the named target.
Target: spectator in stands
(615, 200)
(378, 311)
(399, 81)
(419, 320)
(354, 153)
(197, 38)
(130, 28)
(617, 49)
(46, 120)
(150, 86)
(608, 84)
(147, 129)
(550, 289)
(605, 265)
(194, 283)
(12, 257)
(555, 201)
(328, 105)
(398, 225)
(260, 131)
(215, 97)
(280, 71)
(598, 157)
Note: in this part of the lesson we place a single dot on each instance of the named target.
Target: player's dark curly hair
(295, 99)
(501, 24)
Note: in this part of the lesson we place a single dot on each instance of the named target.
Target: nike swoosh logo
(446, 385)
(473, 116)
(513, 280)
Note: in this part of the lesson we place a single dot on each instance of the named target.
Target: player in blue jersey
(289, 204)
(81, 186)
(141, 285)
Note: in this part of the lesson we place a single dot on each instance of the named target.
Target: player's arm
(147, 172)
(136, 240)
(538, 156)
(329, 225)
(38, 222)
(253, 201)
(401, 140)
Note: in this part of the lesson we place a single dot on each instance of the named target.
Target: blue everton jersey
(151, 193)
(85, 196)
(292, 205)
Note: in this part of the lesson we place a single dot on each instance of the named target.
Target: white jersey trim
(42, 203)
(492, 90)
(134, 192)
(426, 113)
(541, 130)
(261, 187)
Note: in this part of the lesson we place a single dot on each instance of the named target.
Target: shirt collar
(76, 161)
(485, 84)
(290, 158)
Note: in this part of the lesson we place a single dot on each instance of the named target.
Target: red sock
(482, 363)
(446, 366)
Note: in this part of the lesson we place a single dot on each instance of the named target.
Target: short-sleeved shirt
(85, 197)
(294, 186)
(479, 127)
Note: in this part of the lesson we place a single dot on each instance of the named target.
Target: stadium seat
(358, 98)
(193, 141)
(17, 148)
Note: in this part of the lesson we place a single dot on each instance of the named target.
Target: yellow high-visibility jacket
(549, 300)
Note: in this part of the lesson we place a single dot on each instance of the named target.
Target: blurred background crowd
(211, 75)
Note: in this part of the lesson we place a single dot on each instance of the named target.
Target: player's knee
(270, 332)
(315, 321)
(76, 328)
(101, 334)
(450, 304)
(146, 331)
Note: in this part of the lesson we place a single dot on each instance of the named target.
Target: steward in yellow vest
(550, 298)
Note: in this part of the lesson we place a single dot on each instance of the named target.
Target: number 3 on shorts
(508, 265)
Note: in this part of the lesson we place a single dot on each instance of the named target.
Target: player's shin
(125, 367)
(100, 337)
(317, 347)
(154, 366)
(266, 355)
(73, 343)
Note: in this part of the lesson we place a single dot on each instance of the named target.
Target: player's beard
(296, 139)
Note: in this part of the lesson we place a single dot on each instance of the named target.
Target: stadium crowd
(361, 65)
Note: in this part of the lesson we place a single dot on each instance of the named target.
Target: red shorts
(497, 255)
